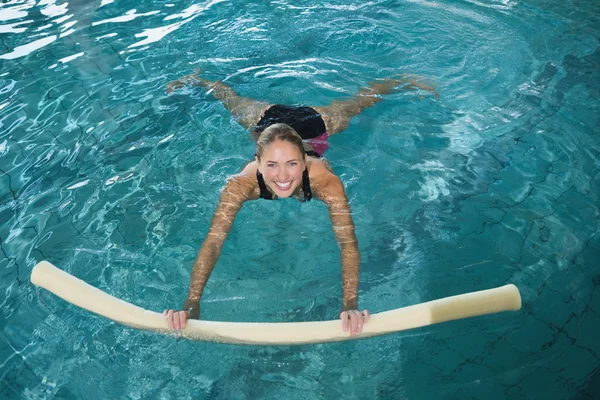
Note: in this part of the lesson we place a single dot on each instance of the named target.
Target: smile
(283, 185)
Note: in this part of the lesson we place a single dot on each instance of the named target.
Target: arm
(343, 228)
(237, 190)
(235, 193)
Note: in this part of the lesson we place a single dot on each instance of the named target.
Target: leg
(245, 110)
(337, 115)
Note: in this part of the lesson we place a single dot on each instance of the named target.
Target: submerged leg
(337, 115)
(245, 110)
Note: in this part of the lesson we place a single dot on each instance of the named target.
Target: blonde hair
(278, 132)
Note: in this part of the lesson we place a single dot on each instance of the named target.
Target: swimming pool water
(494, 182)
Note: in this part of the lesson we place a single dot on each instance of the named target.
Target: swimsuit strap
(265, 194)
(306, 185)
(313, 153)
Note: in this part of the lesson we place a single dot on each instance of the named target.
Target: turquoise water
(494, 182)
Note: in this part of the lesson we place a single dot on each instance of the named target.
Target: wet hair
(276, 132)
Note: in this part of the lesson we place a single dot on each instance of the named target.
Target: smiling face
(281, 163)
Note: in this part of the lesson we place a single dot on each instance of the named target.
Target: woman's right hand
(177, 319)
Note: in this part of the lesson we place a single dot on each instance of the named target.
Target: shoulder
(318, 166)
(249, 169)
(242, 186)
(325, 184)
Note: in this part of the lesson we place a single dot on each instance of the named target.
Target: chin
(284, 195)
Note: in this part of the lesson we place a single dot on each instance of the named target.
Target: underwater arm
(343, 228)
(236, 192)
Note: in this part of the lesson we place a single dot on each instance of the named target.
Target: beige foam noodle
(81, 294)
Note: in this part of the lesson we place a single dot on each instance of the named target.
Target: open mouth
(283, 185)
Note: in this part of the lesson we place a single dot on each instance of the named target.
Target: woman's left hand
(353, 320)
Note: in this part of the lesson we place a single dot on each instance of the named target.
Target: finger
(360, 321)
(176, 323)
(366, 315)
(354, 323)
(344, 318)
(176, 320)
(165, 313)
(170, 319)
(182, 319)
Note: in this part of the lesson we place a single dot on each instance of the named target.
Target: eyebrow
(293, 159)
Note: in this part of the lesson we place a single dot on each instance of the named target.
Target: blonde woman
(288, 163)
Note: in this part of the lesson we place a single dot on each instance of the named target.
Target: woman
(288, 163)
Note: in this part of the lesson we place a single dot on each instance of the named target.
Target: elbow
(347, 241)
(212, 247)
(350, 248)
(347, 244)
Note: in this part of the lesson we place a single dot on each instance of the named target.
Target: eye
(293, 164)
(271, 165)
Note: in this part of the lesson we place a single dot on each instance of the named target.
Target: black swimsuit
(265, 194)
(305, 120)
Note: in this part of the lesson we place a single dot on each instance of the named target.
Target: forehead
(281, 149)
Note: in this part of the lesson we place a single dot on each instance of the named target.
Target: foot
(191, 79)
(403, 83)
(414, 82)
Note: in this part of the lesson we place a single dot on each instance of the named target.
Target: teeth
(284, 185)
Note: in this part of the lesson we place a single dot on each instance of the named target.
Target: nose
(282, 173)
